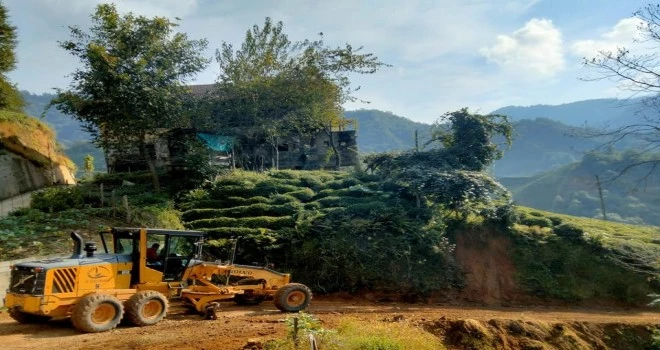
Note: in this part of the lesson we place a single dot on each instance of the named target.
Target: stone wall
(19, 175)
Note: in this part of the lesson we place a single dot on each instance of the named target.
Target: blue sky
(446, 54)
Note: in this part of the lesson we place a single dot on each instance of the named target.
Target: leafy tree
(277, 87)
(638, 73)
(132, 78)
(452, 176)
(10, 97)
(89, 164)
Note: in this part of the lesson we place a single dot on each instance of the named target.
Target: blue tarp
(219, 143)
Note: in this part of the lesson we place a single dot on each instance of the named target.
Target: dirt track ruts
(235, 325)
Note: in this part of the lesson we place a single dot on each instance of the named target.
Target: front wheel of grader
(292, 297)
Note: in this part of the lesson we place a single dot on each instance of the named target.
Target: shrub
(116, 179)
(568, 230)
(304, 195)
(56, 199)
(230, 232)
(283, 199)
(312, 182)
(555, 220)
(271, 187)
(536, 221)
(365, 209)
(312, 206)
(221, 190)
(196, 195)
(157, 217)
(269, 222)
(258, 209)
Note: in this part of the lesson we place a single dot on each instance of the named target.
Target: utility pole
(602, 201)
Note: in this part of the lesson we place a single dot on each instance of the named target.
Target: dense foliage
(579, 259)
(279, 89)
(336, 231)
(132, 78)
(451, 176)
(10, 98)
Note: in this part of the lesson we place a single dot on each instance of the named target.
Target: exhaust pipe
(77, 245)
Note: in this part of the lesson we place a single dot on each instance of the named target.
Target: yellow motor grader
(133, 277)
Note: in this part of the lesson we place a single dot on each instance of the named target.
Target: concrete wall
(5, 273)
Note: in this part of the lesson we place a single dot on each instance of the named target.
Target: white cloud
(535, 48)
(623, 34)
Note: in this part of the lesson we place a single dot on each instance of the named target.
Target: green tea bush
(304, 195)
(312, 206)
(555, 220)
(117, 179)
(271, 187)
(157, 217)
(269, 222)
(259, 209)
(366, 209)
(223, 190)
(312, 182)
(56, 199)
(539, 221)
(283, 199)
(230, 232)
(568, 230)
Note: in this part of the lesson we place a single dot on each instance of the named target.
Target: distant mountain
(380, 131)
(573, 189)
(540, 145)
(74, 140)
(68, 129)
(591, 113)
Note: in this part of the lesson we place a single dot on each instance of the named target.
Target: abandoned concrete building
(245, 149)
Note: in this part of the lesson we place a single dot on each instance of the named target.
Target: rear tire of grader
(97, 312)
(23, 317)
(292, 297)
(146, 308)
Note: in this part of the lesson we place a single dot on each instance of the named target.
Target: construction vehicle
(96, 290)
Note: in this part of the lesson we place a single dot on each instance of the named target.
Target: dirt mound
(489, 271)
(515, 334)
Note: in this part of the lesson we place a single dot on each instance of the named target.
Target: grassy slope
(572, 189)
(31, 138)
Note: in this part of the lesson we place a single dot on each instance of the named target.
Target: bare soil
(458, 326)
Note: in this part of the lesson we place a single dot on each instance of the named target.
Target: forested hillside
(380, 131)
(592, 113)
(572, 189)
(539, 145)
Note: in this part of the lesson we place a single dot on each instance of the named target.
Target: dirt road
(236, 325)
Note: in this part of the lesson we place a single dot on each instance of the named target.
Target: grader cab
(138, 273)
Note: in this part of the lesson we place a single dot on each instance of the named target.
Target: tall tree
(451, 175)
(279, 87)
(639, 73)
(10, 97)
(132, 79)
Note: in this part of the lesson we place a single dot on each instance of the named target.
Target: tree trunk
(150, 164)
(334, 148)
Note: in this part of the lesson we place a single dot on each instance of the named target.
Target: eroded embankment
(513, 334)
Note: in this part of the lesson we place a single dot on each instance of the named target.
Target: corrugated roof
(201, 90)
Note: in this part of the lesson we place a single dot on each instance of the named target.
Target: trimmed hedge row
(336, 201)
(270, 222)
(258, 209)
(228, 202)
